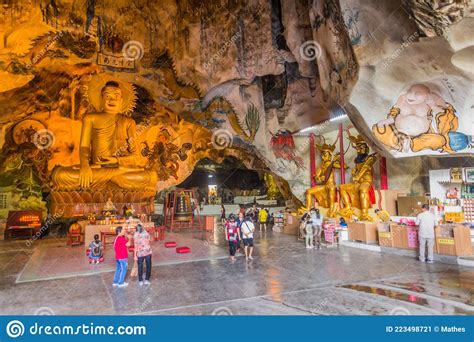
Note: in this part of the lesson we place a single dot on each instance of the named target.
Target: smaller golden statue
(382, 215)
(357, 193)
(109, 205)
(325, 189)
(272, 189)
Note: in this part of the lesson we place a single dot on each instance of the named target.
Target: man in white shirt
(426, 223)
(247, 228)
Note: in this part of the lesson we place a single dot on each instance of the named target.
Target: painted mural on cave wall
(406, 48)
(422, 121)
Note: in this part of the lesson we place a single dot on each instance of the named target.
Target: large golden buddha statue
(109, 155)
(325, 188)
(357, 193)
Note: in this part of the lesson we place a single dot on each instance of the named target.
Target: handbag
(134, 271)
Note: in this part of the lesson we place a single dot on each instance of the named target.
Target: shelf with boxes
(468, 209)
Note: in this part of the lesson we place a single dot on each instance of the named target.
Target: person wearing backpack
(232, 235)
(247, 228)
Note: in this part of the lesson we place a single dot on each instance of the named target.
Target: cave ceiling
(242, 75)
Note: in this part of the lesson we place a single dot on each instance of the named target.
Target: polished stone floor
(52, 259)
(283, 279)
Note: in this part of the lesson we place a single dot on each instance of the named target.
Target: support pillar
(312, 160)
(341, 153)
(383, 173)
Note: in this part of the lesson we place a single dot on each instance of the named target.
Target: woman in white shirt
(317, 223)
(246, 229)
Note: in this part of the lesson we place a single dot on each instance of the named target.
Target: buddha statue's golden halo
(95, 96)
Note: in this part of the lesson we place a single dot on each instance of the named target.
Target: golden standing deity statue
(108, 152)
(357, 193)
(272, 189)
(325, 189)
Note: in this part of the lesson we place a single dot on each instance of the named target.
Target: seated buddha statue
(108, 152)
(109, 205)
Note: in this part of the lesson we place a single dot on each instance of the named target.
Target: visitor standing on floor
(142, 253)
(302, 228)
(239, 222)
(232, 235)
(121, 256)
(247, 228)
(309, 232)
(317, 222)
(262, 219)
(426, 222)
(223, 214)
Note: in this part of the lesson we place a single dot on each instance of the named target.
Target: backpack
(96, 250)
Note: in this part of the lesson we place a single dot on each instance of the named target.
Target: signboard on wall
(456, 175)
(24, 218)
(115, 61)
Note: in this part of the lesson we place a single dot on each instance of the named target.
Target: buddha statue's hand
(107, 161)
(85, 176)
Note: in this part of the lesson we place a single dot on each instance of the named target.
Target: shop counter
(291, 224)
(453, 239)
(384, 234)
(404, 236)
(362, 231)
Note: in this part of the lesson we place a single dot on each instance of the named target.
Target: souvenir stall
(376, 215)
(450, 201)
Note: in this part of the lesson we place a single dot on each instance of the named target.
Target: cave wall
(232, 77)
(401, 44)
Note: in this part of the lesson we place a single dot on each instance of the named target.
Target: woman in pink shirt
(121, 255)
